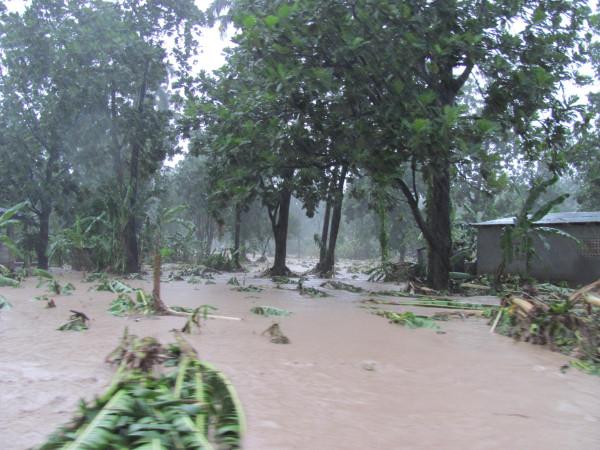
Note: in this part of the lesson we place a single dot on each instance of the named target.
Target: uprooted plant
(192, 406)
(568, 324)
(78, 321)
(45, 278)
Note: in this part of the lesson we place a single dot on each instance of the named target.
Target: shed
(558, 258)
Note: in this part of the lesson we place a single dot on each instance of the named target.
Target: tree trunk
(383, 234)
(438, 223)
(327, 267)
(324, 236)
(43, 235)
(132, 262)
(237, 230)
(159, 306)
(279, 223)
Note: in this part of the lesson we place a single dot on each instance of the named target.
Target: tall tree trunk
(324, 237)
(236, 234)
(132, 261)
(46, 209)
(327, 268)
(383, 234)
(279, 223)
(438, 222)
(43, 235)
(159, 306)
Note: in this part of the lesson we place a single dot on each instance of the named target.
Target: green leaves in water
(193, 407)
(78, 321)
(5, 281)
(269, 311)
(194, 319)
(95, 276)
(124, 304)
(280, 279)
(408, 319)
(310, 291)
(115, 286)
(46, 279)
(233, 281)
(342, 286)
(4, 303)
(248, 288)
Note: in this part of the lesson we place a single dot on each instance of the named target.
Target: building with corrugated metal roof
(557, 258)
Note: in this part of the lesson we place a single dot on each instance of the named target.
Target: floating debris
(78, 321)
(332, 284)
(277, 336)
(409, 319)
(269, 311)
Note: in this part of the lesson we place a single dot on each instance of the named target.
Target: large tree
(87, 92)
(402, 68)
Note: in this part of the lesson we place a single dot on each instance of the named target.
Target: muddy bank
(347, 380)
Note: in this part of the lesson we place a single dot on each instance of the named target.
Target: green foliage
(247, 288)
(517, 240)
(233, 281)
(115, 286)
(221, 261)
(310, 291)
(77, 322)
(45, 278)
(7, 218)
(280, 279)
(408, 319)
(269, 311)
(193, 406)
(6, 281)
(338, 285)
(96, 276)
(124, 304)
(84, 244)
(4, 303)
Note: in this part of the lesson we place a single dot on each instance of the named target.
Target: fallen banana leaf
(269, 311)
(192, 407)
(5, 281)
(434, 303)
(4, 303)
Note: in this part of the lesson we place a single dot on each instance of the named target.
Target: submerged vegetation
(569, 324)
(192, 406)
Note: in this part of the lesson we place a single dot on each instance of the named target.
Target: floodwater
(347, 380)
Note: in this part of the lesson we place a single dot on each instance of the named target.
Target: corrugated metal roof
(550, 219)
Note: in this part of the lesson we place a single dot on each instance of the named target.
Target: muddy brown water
(348, 380)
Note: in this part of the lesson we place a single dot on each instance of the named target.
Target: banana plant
(83, 239)
(517, 239)
(6, 219)
(160, 220)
